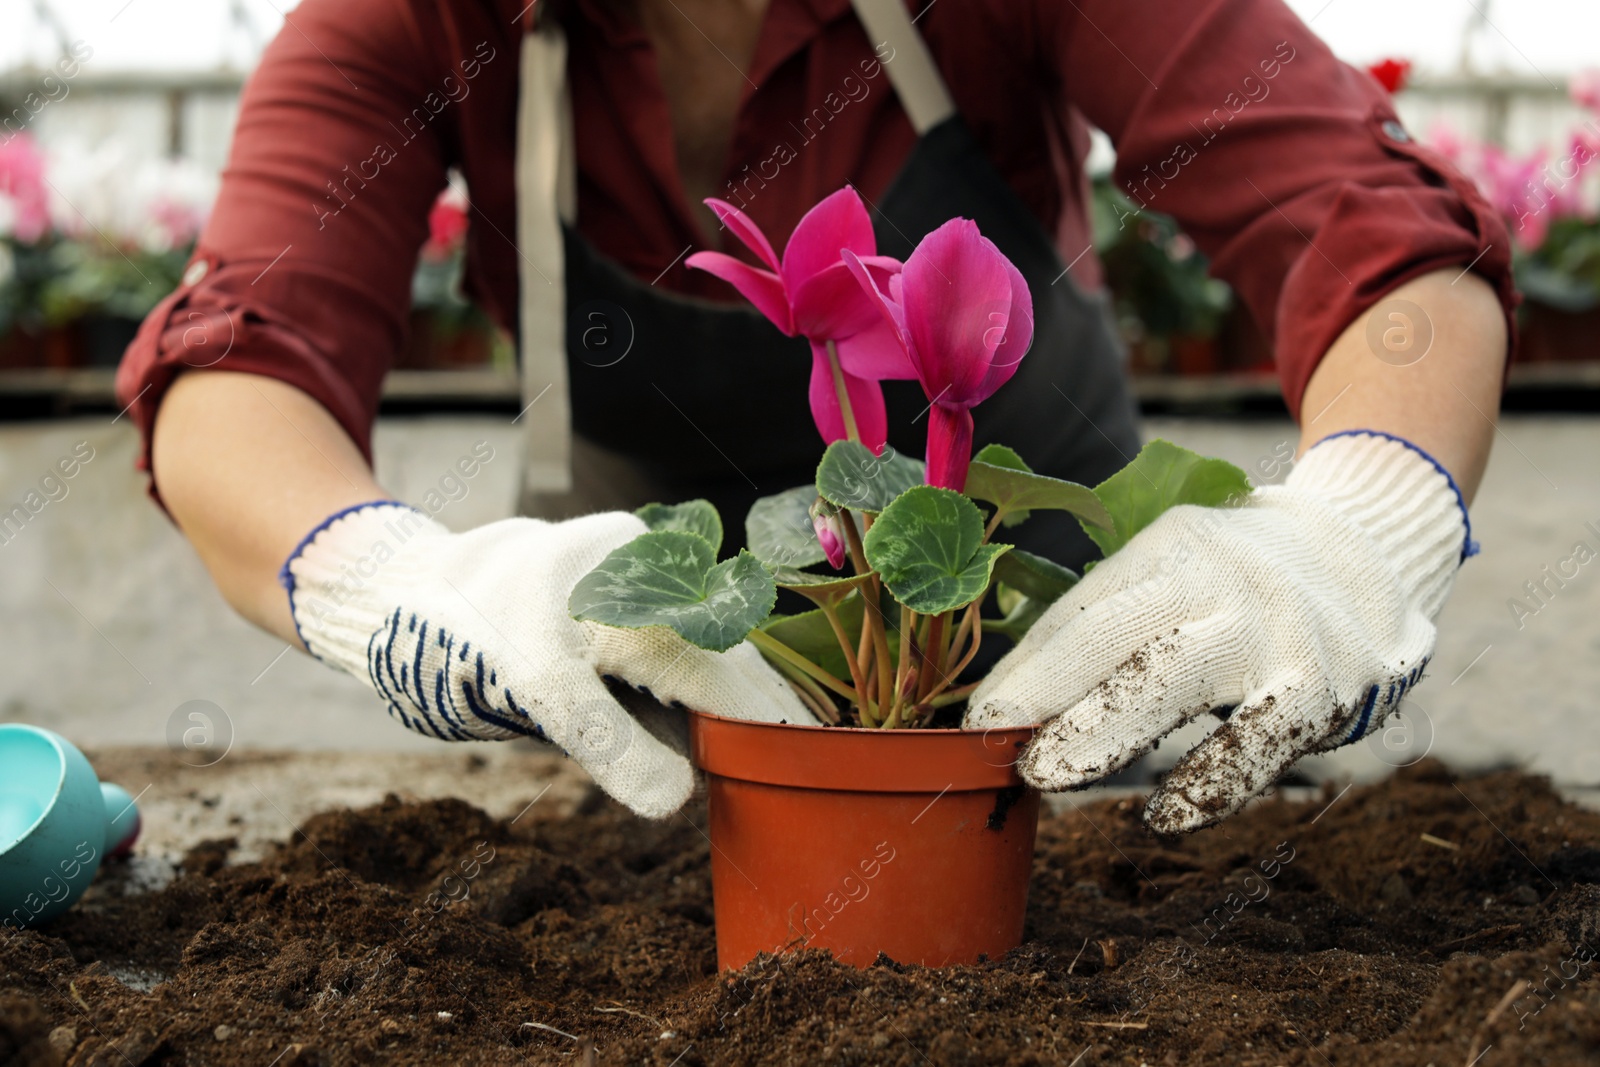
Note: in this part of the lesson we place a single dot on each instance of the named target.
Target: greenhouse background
(114, 127)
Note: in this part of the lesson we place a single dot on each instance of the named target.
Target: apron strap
(546, 196)
(911, 69)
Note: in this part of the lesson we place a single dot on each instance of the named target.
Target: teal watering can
(57, 822)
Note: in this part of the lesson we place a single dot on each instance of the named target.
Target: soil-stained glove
(467, 637)
(1309, 608)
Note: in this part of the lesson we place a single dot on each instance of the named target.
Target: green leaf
(1021, 613)
(1040, 579)
(779, 531)
(671, 578)
(829, 586)
(1015, 492)
(1161, 476)
(1001, 456)
(850, 476)
(809, 634)
(928, 547)
(692, 516)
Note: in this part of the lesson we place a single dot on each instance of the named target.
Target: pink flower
(1444, 139)
(1584, 88)
(23, 190)
(830, 531)
(1391, 74)
(447, 224)
(964, 316)
(810, 293)
(1514, 187)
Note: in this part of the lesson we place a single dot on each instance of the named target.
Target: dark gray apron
(711, 401)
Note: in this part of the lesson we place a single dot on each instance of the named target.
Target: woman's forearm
(1443, 402)
(247, 465)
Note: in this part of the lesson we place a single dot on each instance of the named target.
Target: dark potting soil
(1422, 920)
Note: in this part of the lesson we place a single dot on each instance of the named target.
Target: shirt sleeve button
(195, 271)
(1396, 132)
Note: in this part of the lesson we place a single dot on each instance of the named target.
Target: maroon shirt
(1286, 166)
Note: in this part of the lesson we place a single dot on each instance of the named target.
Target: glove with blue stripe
(1310, 609)
(467, 637)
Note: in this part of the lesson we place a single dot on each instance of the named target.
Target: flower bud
(826, 520)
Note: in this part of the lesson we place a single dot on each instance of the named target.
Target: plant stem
(831, 613)
(932, 662)
(872, 616)
(843, 394)
(954, 696)
(977, 639)
(908, 623)
(852, 541)
(811, 694)
(994, 523)
(969, 622)
(767, 643)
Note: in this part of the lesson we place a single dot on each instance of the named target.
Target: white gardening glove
(1310, 608)
(467, 637)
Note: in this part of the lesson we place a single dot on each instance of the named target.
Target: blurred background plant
(447, 329)
(1551, 202)
(91, 241)
(1176, 319)
(1169, 309)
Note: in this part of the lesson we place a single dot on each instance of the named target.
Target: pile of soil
(1427, 919)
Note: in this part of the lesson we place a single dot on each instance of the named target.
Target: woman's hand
(1309, 609)
(467, 637)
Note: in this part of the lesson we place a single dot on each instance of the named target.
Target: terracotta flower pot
(914, 843)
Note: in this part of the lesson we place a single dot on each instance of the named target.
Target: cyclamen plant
(888, 641)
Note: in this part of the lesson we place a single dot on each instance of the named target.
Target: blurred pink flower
(179, 223)
(1584, 88)
(447, 224)
(22, 186)
(1443, 139)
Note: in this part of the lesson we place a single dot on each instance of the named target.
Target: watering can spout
(122, 819)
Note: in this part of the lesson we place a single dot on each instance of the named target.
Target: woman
(1310, 609)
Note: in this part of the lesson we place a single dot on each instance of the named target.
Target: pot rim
(842, 759)
(919, 731)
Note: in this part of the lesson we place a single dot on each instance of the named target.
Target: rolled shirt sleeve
(1288, 167)
(303, 272)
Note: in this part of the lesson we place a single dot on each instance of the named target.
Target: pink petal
(956, 291)
(876, 354)
(762, 288)
(881, 291)
(831, 303)
(838, 221)
(866, 403)
(739, 224)
(949, 446)
(1018, 336)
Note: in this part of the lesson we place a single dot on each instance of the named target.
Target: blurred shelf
(49, 392)
(43, 393)
(453, 391)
